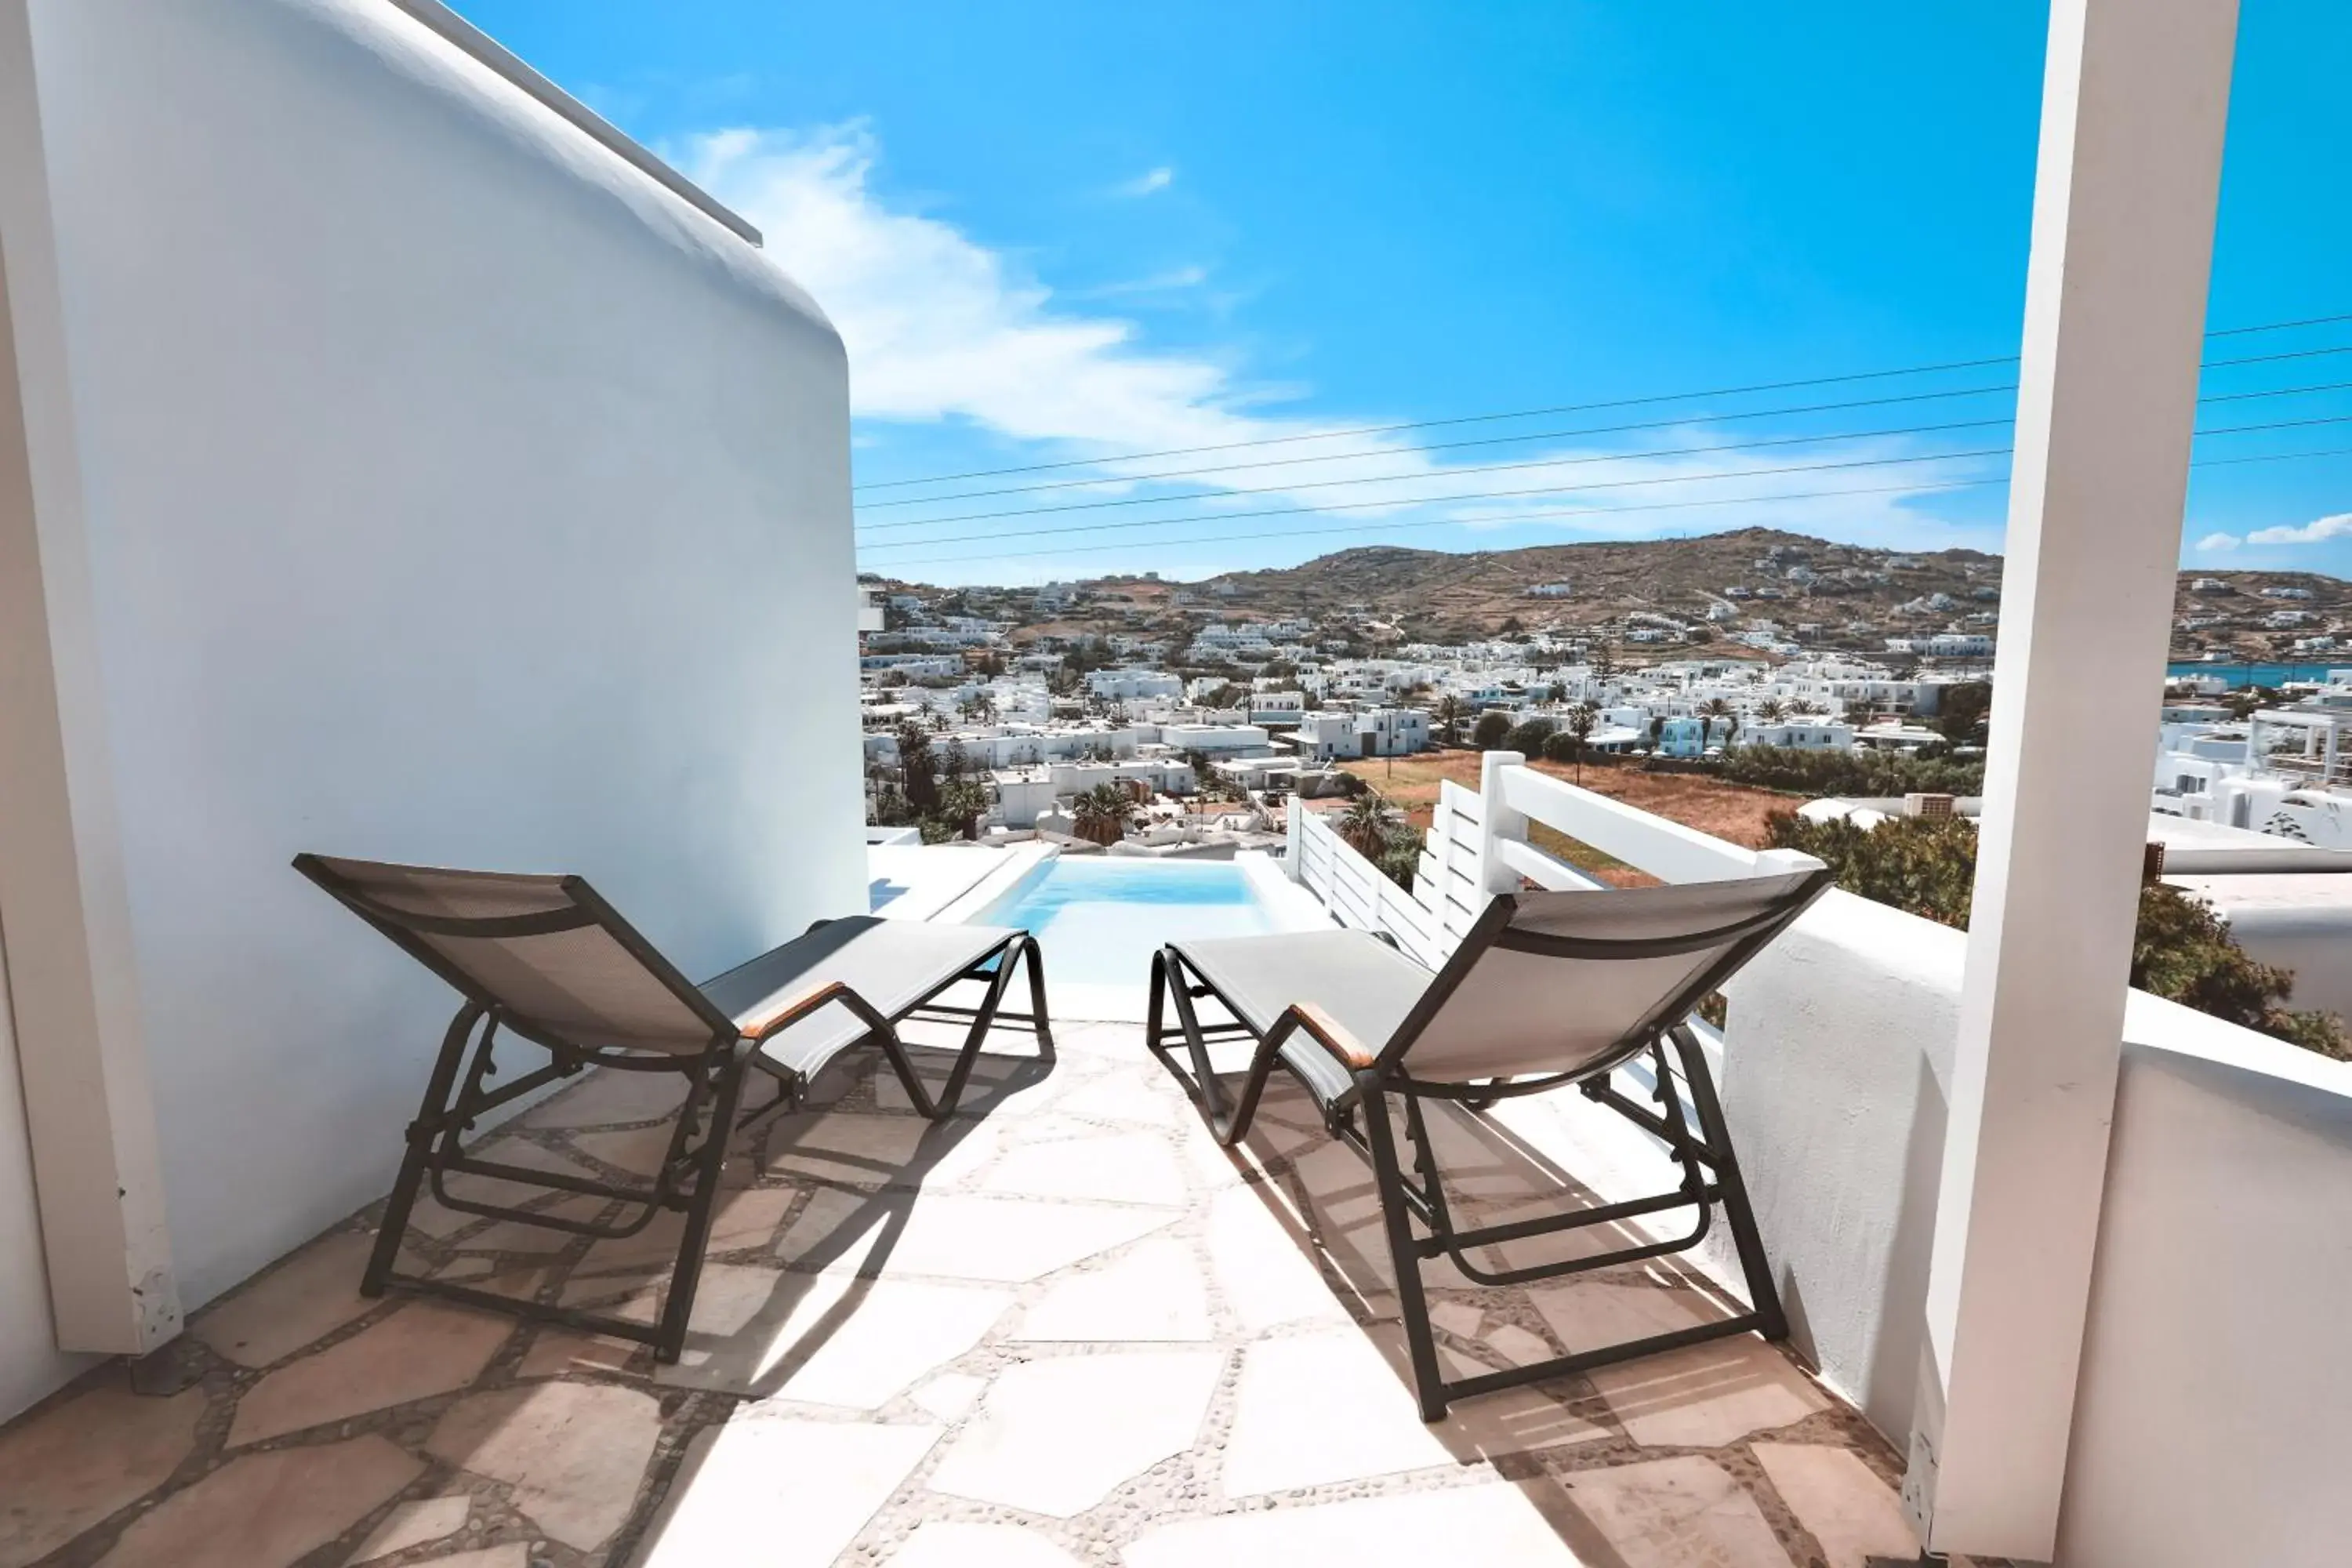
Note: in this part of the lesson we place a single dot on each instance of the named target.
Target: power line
(1549, 489)
(1570, 512)
(1535, 413)
(1676, 422)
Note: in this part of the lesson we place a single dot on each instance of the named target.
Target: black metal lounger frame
(688, 1180)
(1709, 1167)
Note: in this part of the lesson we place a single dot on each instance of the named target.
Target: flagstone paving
(1062, 1329)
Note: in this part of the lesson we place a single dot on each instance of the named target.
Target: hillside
(1816, 592)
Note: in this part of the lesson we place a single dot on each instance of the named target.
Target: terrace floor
(1063, 1330)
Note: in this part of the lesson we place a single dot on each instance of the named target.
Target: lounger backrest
(1577, 982)
(555, 960)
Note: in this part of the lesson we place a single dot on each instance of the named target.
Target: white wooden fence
(1477, 845)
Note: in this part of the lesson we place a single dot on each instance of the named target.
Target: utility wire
(1546, 489)
(1534, 413)
(1677, 422)
(1572, 511)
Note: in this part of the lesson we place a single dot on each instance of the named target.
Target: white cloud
(1146, 182)
(2218, 541)
(2319, 531)
(942, 328)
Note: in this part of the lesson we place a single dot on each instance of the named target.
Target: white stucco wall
(2213, 1420)
(2214, 1412)
(1837, 1062)
(453, 494)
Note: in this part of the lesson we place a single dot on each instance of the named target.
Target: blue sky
(1068, 234)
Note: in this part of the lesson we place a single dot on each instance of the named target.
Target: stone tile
(1266, 1280)
(1155, 1293)
(958, 1152)
(308, 1296)
(514, 1554)
(601, 1097)
(563, 1352)
(838, 1339)
(742, 1218)
(845, 1146)
(639, 1152)
(1701, 1396)
(421, 1350)
(1131, 1168)
(955, 1236)
(783, 1493)
(1853, 1514)
(80, 1462)
(520, 1235)
(433, 1220)
(415, 1524)
(1456, 1317)
(1682, 1512)
(1488, 1523)
(1212, 1164)
(1056, 1437)
(573, 1453)
(947, 1544)
(1516, 1345)
(950, 1396)
(728, 1298)
(266, 1511)
(1000, 1085)
(1508, 1421)
(1323, 1408)
(1127, 1094)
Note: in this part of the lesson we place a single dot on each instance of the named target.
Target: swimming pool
(1099, 918)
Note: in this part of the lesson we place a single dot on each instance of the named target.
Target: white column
(2133, 111)
(63, 900)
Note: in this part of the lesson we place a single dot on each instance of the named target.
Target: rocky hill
(1815, 591)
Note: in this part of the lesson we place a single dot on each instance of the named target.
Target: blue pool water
(1100, 920)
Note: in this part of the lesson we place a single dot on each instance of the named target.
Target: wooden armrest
(1331, 1037)
(795, 1010)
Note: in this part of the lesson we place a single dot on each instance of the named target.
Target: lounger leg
(1210, 1098)
(686, 1276)
(984, 1020)
(1034, 956)
(894, 1050)
(1412, 1305)
(421, 1135)
(1771, 1321)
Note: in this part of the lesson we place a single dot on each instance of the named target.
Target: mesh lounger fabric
(892, 963)
(1518, 1013)
(1367, 987)
(581, 984)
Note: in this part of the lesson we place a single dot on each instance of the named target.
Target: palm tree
(1366, 823)
(1449, 718)
(1102, 815)
(1717, 708)
(1579, 723)
(1770, 710)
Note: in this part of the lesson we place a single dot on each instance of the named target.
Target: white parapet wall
(450, 490)
(2214, 1416)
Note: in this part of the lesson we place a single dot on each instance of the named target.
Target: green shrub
(1527, 739)
(1490, 730)
(2181, 950)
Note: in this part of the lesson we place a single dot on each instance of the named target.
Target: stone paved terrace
(1065, 1328)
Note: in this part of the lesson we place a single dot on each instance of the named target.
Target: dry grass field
(1735, 812)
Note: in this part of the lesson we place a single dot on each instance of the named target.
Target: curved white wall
(453, 493)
